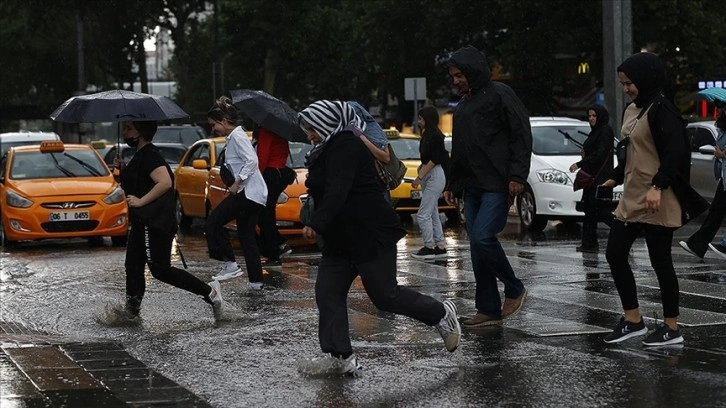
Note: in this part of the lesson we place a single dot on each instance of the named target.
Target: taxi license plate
(617, 195)
(415, 194)
(70, 216)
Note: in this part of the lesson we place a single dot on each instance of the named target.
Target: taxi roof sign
(52, 146)
(391, 133)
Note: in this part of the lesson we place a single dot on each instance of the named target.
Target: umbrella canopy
(117, 106)
(269, 112)
(713, 94)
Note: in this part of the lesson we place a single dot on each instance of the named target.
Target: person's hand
(449, 197)
(234, 187)
(133, 201)
(309, 233)
(416, 182)
(515, 188)
(573, 167)
(718, 153)
(118, 163)
(652, 199)
(609, 183)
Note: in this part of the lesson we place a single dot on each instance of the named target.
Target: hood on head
(473, 64)
(647, 72)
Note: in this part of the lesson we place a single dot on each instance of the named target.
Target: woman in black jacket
(597, 160)
(360, 231)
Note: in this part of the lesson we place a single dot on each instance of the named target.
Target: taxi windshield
(71, 163)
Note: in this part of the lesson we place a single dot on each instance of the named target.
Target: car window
(699, 137)
(548, 141)
(70, 163)
(405, 149)
(171, 154)
(185, 135)
(200, 151)
(297, 154)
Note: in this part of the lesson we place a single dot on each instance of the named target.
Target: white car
(702, 136)
(549, 194)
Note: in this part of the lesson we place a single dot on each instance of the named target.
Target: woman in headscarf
(360, 231)
(432, 179)
(597, 160)
(656, 163)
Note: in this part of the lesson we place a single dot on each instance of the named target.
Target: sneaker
(481, 320)
(254, 285)
(229, 270)
(285, 250)
(216, 297)
(119, 315)
(329, 365)
(663, 336)
(718, 249)
(424, 253)
(440, 253)
(271, 262)
(688, 249)
(588, 249)
(512, 306)
(625, 330)
(449, 327)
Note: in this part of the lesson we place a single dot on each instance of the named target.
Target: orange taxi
(56, 190)
(288, 203)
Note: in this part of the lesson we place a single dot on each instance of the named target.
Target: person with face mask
(700, 241)
(147, 181)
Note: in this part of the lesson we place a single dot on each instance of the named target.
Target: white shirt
(241, 157)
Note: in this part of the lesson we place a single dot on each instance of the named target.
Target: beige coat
(641, 165)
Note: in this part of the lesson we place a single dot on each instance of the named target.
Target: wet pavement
(55, 353)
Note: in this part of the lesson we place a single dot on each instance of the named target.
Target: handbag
(391, 173)
(586, 181)
(225, 171)
(160, 213)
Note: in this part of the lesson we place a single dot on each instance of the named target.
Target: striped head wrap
(328, 118)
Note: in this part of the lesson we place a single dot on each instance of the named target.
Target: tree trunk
(272, 60)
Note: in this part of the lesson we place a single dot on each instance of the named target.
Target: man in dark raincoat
(490, 158)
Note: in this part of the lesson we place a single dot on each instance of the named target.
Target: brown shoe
(481, 320)
(513, 306)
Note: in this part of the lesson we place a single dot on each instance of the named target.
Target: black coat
(598, 147)
(351, 214)
(492, 138)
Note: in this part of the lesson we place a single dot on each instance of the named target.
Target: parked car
(171, 152)
(405, 198)
(190, 179)
(548, 194)
(184, 134)
(289, 201)
(703, 137)
(56, 190)
(11, 139)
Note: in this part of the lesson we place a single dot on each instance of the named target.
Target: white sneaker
(229, 270)
(688, 249)
(254, 285)
(216, 297)
(449, 327)
(329, 365)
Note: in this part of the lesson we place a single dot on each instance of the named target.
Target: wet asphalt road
(551, 354)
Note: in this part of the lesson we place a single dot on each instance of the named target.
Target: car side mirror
(200, 164)
(706, 149)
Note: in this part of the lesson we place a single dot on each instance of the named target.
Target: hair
(222, 110)
(146, 129)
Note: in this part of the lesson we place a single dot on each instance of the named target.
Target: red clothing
(272, 150)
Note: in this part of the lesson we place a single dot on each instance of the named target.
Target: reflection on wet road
(551, 354)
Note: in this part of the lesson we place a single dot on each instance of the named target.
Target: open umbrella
(713, 94)
(269, 112)
(116, 106)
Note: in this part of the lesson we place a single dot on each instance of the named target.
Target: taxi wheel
(182, 220)
(3, 237)
(527, 210)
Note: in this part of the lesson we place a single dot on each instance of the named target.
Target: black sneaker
(625, 330)
(663, 336)
(284, 250)
(719, 249)
(688, 249)
(440, 253)
(271, 262)
(425, 253)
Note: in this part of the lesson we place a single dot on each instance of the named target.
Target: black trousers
(245, 212)
(595, 211)
(658, 239)
(149, 246)
(379, 280)
(270, 237)
(700, 239)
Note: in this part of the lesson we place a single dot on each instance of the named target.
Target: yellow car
(405, 198)
(56, 190)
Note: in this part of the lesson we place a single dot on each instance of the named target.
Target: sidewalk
(45, 370)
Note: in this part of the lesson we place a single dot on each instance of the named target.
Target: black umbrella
(117, 105)
(270, 113)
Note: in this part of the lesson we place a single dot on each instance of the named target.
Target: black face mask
(132, 142)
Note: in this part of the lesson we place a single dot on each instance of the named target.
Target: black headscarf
(647, 72)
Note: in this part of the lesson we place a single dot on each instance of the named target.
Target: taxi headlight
(282, 199)
(553, 176)
(16, 200)
(114, 197)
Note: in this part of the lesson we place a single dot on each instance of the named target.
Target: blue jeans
(486, 215)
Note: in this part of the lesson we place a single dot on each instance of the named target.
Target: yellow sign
(583, 68)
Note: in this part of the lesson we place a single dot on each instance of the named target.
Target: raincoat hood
(473, 64)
